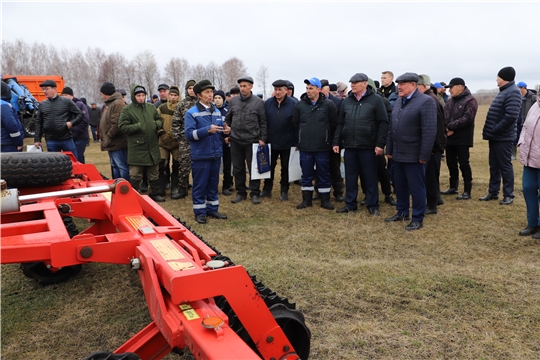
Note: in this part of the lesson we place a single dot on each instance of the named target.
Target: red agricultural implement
(197, 298)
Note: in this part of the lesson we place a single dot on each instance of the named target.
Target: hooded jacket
(141, 123)
(80, 132)
(501, 118)
(203, 145)
(52, 116)
(315, 124)
(111, 138)
(529, 140)
(166, 111)
(460, 112)
(12, 130)
(362, 124)
(279, 122)
(247, 119)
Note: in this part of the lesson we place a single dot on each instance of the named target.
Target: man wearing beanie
(168, 145)
(500, 131)
(112, 140)
(56, 117)
(204, 130)
(141, 122)
(184, 161)
(247, 120)
(12, 130)
(80, 132)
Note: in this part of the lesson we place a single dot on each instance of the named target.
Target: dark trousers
(284, 155)
(383, 177)
(409, 180)
(95, 132)
(433, 171)
(335, 174)
(531, 187)
(500, 167)
(205, 186)
(80, 145)
(227, 162)
(361, 162)
(308, 160)
(242, 153)
(459, 155)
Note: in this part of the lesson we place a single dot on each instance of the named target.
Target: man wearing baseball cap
(315, 120)
(500, 131)
(410, 142)
(56, 117)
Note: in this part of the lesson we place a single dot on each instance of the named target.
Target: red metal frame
(171, 261)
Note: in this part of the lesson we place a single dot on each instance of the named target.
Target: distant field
(464, 287)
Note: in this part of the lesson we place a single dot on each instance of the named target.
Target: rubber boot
(452, 189)
(325, 201)
(306, 200)
(174, 181)
(154, 191)
(431, 207)
(467, 191)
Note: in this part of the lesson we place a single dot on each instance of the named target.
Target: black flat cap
(407, 77)
(249, 79)
(279, 83)
(50, 83)
(290, 85)
(163, 87)
(358, 77)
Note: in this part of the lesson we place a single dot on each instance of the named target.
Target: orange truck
(31, 82)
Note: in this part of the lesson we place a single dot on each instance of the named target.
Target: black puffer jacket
(315, 124)
(53, 114)
(362, 124)
(502, 114)
(460, 112)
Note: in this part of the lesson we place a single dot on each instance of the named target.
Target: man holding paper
(247, 120)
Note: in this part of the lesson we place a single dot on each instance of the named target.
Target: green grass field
(464, 287)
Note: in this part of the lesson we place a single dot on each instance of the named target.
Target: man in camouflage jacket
(184, 159)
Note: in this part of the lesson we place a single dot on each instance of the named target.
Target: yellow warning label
(138, 221)
(188, 312)
(166, 249)
(185, 306)
(179, 266)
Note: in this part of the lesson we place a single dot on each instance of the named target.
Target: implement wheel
(21, 170)
(45, 276)
(293, 324)
(105, 355)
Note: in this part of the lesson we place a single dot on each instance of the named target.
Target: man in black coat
(361, 131)
(95, 116)
(410, 142)
(500, 131)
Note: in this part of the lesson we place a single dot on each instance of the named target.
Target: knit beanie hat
(107, 88)
(507, 73)
(174, 90)
(139, 89)
(190, 83)
(68, 91)
(220, 93)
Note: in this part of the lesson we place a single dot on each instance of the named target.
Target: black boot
(154, 191)
(452, 189)
(325, 201)
(162, 180)
(431, 207)
(467, 192)
(174, 180)
(284, 194)
(306, 200)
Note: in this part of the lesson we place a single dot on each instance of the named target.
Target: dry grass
(465, 286)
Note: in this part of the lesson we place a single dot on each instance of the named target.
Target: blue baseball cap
(438, 85)
(313, 81)
(522, 84)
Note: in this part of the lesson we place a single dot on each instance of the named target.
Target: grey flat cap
(407, 77)
(249, 79)
(358, 77)
(423, 79)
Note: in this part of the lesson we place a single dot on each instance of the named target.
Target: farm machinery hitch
(197, 298)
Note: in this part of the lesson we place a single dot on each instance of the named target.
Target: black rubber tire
(22, 170)
(105, 355)
(39, 272)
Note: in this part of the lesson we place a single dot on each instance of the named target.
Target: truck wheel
(25, 169)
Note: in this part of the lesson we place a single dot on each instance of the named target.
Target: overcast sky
(298, 40)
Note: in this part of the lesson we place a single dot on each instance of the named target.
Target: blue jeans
(62, 145)
(80, 145)
(94, 132)
(308, 160)
(531, 184)
(120, 167)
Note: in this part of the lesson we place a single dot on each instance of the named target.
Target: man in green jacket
(141, 122)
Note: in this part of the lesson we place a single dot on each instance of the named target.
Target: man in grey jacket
(247, 120)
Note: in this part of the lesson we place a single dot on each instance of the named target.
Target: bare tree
(176, 72)
(198, 72)
(147, 69)
(262, 78)
(233, 69)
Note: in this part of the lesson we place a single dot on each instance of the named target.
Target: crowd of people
(410, 121)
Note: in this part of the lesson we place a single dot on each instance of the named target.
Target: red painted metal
(170, 261)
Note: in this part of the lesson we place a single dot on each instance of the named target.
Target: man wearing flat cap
(315, 120)
(163, 91)
(247, 120)
(410, 141)
(279, 110)
(204, 130)
(56, 117)
(500, 131)
(460, 112)
(361, 130)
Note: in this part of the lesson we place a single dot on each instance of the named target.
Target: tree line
(85, 72)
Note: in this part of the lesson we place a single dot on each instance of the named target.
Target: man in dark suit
(410, 141)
